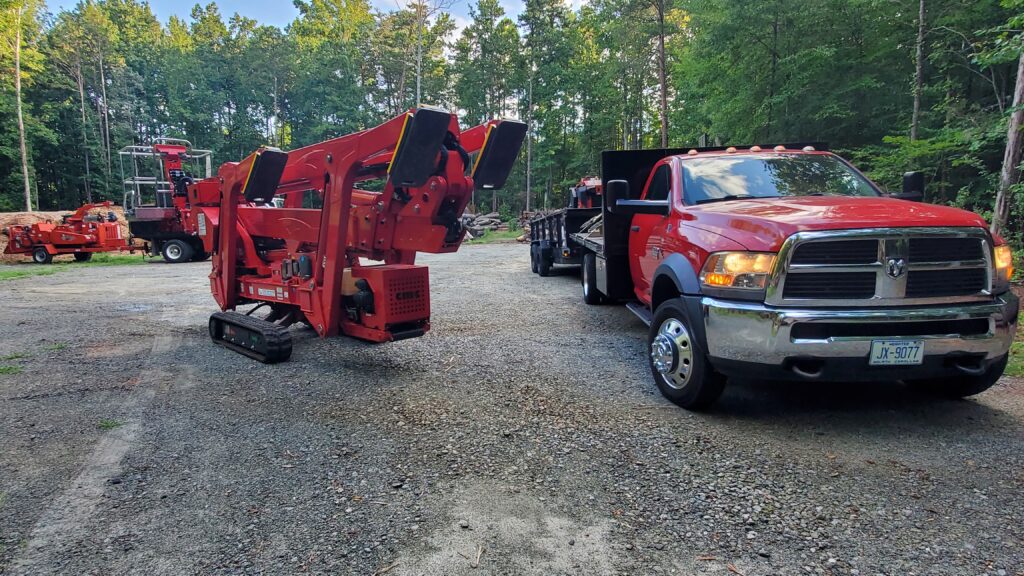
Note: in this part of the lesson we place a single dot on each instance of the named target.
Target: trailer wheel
(680, 368)
(41, 256)
(543, 264)
(83, 256)
(962, 386)
(533, 259)
(591, 295)
(175, 251)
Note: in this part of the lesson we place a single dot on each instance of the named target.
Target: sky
(282, 12)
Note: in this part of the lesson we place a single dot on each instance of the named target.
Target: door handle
(634, 228)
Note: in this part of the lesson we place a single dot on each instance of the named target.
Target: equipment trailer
(551, 234)
(305, 264)
(80, 233)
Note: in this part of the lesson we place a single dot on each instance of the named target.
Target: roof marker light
(730, 149)
(808, 148)
(780, 148)
(755, 148)
(692, 152)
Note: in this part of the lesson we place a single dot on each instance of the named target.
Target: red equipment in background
(587, 193)
(156, 200)
(303, 260)
(81, 234)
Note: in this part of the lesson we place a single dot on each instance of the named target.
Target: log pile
(477, 224)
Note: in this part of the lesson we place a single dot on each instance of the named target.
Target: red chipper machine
(294, 231)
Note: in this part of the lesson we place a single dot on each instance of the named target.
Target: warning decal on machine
(266, 292)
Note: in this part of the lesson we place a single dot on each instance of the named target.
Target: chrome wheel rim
(39, 257)
(672, 353)
(586, 281)
(174, 251)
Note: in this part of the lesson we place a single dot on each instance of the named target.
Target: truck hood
(764, 224)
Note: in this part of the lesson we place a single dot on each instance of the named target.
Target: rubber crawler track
(277, 340)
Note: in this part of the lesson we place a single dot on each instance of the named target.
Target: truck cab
(786, 262)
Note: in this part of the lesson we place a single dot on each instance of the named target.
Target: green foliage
(10, 370)
(109, 424)
(495, 236)
(107, 73)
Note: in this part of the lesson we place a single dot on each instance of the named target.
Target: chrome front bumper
(754, 333)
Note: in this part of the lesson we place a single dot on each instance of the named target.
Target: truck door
(646, 234)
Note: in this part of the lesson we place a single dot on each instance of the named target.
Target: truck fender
(673, 277)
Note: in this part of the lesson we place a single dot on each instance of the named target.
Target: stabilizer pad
(494, 164)
(415, 158)
(265, 175)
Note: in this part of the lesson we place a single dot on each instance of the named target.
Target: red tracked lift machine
(304, 263)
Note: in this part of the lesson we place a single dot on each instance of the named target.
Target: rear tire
(680, 368)
(543, 264)
(962, 386)
(41, 256)
(83, 256)
(533, 260)
(591, 295)
(175, 251)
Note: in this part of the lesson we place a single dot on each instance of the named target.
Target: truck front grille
(952, 282)
(884, 267)
(831, 285)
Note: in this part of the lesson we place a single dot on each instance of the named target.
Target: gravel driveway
(522, 435)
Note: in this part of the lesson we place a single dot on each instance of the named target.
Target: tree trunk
(918, 73)
(419, 50)
(85, 136)
(21, 117)
(1010, 173)
(660, 6)
(106, 117)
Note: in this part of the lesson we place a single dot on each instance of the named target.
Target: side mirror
(617, 196)
(913, 187)
(616, 190)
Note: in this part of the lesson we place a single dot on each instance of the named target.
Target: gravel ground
(522, 435)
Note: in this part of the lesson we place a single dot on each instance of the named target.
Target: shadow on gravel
(888, 401)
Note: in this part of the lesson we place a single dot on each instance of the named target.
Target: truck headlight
(1004, 266)
(747, 271)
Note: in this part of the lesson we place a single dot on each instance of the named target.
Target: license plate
(896, 352)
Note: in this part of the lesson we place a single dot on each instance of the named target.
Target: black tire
(533, 259)
(962, 386)
(679, 366)
(200, 256)
(175, 251)
(543, 264)
(41, 256)
(83, 256)
(588, 279)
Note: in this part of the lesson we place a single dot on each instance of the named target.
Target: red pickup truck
(787, 263)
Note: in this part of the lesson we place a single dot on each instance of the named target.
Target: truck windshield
(770, 176)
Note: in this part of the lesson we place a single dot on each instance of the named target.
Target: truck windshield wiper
(733, 197)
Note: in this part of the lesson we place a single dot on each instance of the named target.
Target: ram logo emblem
(895, 267)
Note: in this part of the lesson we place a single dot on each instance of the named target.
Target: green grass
(10, 370)
(26, 269)
(57, 346)
(108, 424)
(490, 236)
(1016, 365)
(15, 356)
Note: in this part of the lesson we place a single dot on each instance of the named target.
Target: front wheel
(591, 295)
(175, 251)
(680, 368)
(963, 386)
(41, 256)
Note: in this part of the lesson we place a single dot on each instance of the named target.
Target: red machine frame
(78, 234)
(305, 263)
